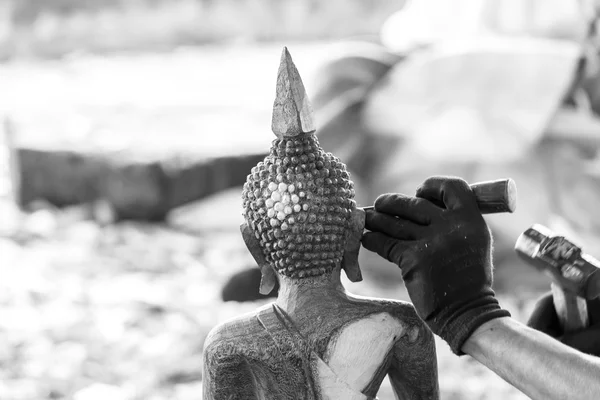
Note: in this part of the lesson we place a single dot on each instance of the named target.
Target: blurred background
(128, 128)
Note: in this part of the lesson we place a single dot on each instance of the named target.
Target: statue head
(298, 203)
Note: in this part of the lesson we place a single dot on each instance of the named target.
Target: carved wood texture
(361, 340)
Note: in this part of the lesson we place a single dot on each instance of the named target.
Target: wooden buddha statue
(316, 341)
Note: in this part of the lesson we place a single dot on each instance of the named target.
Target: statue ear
(269, 279)
(353, 236)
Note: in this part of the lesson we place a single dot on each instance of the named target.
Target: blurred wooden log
(149, 189)
(133, 185)
(61, 177)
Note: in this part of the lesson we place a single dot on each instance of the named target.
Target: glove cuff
(465, 320)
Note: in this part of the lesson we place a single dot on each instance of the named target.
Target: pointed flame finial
(292, 112)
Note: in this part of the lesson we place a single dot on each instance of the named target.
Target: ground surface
(122, 312)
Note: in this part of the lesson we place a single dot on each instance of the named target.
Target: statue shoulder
(402, 310)
(415, 329)
(226, 369)
(241, 360)
(234, 335)
(242, 337)
(414, 350)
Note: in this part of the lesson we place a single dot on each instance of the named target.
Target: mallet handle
(571, 310)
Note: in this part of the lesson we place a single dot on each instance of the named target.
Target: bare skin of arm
(533, 362)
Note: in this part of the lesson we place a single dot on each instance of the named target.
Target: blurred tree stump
(135, 185)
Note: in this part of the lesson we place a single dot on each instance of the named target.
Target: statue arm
(225, 378)
(413, 372)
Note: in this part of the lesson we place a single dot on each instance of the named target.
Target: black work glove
(442, 244)
(544, 319)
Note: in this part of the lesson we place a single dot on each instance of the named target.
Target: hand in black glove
(442, 244)
(544, 318)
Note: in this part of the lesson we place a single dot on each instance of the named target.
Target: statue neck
(294, 294)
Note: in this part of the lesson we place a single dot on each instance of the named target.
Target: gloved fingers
(544, 317)
(454, 193)
(397, 228)
(408, 207)
(387, 247)
(586, 341)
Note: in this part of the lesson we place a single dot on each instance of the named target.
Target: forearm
(533, 362)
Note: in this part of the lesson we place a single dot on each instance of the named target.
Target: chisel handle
(493, 197)
(497, 196)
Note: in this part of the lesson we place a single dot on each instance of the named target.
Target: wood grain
(352, 248)
(292, 112)
(361, 339)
